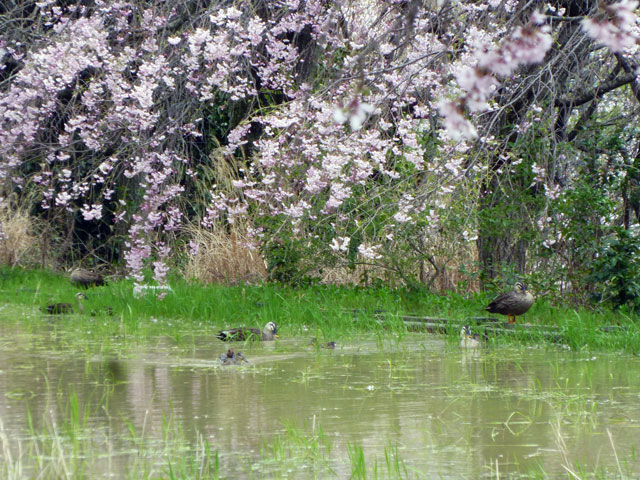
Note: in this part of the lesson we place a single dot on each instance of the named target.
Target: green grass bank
(332, 312)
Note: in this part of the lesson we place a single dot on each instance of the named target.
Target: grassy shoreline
(335, 312)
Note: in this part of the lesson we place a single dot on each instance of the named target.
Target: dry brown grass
(223, 256)
(17, 240)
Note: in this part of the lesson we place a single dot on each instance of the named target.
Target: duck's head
(81, 296)
(521, 287)
(271, 329)
(466, 332)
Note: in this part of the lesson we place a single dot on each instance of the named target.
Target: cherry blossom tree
(359, 132)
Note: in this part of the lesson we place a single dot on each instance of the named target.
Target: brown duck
(241, 334)
(230, 357)
(513, 303)
(86, 278)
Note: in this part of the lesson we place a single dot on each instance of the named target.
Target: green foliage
(510, 201)
(581, 209)
(616, 270)
(581, 215)
(285, 262)
(572, 240)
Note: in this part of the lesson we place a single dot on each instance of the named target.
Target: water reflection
(453, 413)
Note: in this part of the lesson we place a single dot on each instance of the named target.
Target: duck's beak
(276, 336)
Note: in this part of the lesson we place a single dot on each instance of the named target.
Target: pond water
(416, 407)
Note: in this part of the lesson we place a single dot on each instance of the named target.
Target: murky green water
(297, 412)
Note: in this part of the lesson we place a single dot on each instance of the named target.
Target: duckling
(62, 308)
(58, 308)
(230, 357)
(241, 334)
(86, 278)
(106, 310)
(328, 345)
(471, 340)
(513, 303)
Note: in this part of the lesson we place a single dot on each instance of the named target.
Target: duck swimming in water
(230, 357)
(471, 340)
(328, 345)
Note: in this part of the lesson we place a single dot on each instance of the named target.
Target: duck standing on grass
(513, 303)
(86, 278)
(240, 334)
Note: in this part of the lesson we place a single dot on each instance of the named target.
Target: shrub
(616, 270)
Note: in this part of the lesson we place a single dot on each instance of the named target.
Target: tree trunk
(502, 221)
(500, 252)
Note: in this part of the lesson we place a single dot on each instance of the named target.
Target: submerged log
(484, 325)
